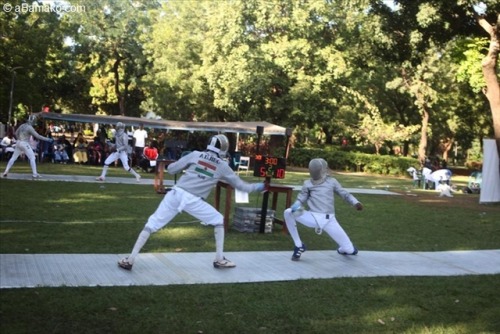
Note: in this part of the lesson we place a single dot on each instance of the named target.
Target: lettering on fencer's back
(206, 166)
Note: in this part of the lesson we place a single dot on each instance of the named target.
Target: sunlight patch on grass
(8, 231)
(439, 329)
(437, 200)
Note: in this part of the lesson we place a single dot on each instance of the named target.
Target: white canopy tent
(228, 127)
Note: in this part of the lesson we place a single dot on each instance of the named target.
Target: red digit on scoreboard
(262, 171)
(280, 173)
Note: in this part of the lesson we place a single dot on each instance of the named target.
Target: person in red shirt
(149, 154)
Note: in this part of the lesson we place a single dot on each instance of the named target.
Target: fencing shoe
(224, 263)
(297, 252)
(123, 263)
(345, 253)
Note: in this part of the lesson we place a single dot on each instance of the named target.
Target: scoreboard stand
(268, 167)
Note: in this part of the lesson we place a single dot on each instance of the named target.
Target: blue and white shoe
(297, 252)
(344, 253)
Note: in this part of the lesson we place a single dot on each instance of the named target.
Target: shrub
(353, 161)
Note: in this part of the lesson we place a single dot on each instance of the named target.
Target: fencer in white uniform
(202, 171)
(121, 150)
(317, 194)
(23, 134)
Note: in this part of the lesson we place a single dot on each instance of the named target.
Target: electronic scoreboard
(265, 166)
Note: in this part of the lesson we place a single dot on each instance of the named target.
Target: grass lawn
(66, 217)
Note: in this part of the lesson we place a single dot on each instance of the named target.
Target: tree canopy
(411, 73)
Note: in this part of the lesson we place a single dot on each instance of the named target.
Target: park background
(404, 80)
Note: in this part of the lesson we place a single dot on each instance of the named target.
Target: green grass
(66, 217)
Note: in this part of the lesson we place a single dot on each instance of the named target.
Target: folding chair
(244, 164)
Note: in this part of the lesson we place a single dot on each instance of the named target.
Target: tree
(490, 66)
(28, 40)
(108, 42)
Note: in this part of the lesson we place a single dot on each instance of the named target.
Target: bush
(353, 161)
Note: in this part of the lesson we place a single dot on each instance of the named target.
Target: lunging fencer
(120, 150)
(203, 169)
(23, 134)
(317, 194)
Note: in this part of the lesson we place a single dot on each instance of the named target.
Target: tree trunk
(119, 95)
(422, 146)
(446, 148)
(492, 90)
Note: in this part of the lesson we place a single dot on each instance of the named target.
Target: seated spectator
(67, 147)
(80, 155)
(95, 151)
(60, 153)
(8, 145)
(47, 149)
(149, 155)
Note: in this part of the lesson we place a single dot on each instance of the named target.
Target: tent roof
(241, 127)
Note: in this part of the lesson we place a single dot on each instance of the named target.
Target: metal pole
(265, 197)
(13, 70)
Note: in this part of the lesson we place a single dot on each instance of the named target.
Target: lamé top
(320, 197)
(202, 172)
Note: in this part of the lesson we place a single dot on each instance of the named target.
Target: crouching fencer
(203, 169)
(317, 194)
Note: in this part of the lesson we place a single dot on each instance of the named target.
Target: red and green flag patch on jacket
(208, 169)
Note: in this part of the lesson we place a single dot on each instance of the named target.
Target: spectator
(440, 175)
(415, 176)
(149, 156)
(95, 151)
(140, 135)
(60, 152)
(426, 174)
(8, 144)
(68, 147)
(80, 155)
(47, 149)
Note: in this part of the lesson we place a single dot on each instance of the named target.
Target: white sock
(219, 242)
(104, 171)
(141, 241)
(133, 172)
(291, 225)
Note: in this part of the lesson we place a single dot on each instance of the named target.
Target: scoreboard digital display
(265, 166)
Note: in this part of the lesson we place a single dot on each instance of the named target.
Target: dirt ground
(459, 199)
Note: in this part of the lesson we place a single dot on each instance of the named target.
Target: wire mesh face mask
(33, 119)
(219, 144)
(318, 170)
(120, 128)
